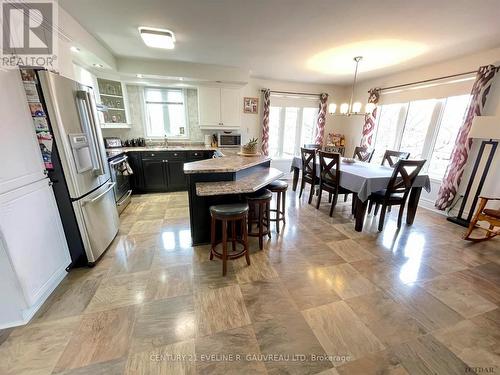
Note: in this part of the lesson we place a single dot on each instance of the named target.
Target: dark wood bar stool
(279, 187)
(229, 213)
(260, 213)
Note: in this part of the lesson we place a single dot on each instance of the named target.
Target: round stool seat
(229, 209)
(260, 195)
(277, 185)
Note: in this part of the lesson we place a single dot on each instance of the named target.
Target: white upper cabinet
(19, 148)
(230, 107)
(209, 106)
(219, 107)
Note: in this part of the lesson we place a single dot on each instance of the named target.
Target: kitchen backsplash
(137, 117)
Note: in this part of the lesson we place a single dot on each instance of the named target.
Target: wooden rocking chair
(492, 216)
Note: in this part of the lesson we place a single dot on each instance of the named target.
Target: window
(425, 128)
(165, 112)
(291, 126)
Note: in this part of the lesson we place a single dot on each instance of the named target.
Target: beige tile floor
(319, 299)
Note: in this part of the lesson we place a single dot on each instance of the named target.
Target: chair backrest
(313, 146)
(308, 156)
(393, 156)
(362, 154)
(403, 176)
(329, 167)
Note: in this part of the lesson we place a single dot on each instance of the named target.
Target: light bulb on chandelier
(349, 109)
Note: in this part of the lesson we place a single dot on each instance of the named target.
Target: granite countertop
(164, 148)
(245, 185)
(226, 164)
(114, 152)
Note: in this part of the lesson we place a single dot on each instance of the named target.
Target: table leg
(295, 178)
(413, 204)
(360, 210)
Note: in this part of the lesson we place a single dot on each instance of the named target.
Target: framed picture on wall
(250, 105)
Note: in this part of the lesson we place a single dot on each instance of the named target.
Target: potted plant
(250, 148)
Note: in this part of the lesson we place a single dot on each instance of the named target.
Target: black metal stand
(466, 221)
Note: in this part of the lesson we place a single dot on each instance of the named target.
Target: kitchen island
(221, 181)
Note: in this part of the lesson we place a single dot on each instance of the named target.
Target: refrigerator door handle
(87, 116)
(111, 185)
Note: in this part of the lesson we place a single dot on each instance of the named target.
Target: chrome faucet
(165, 141)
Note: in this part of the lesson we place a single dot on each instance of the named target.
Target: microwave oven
(229, 140)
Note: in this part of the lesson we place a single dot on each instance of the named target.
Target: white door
(19, 150)
(209, 106)
(32, 233)
(230, 107)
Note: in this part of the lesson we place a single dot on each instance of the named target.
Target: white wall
(352, 126)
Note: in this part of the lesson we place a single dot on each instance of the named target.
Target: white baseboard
(429, 205)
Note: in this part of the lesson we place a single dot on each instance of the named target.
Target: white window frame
(146, 115)
(432, 131)
(298, 129)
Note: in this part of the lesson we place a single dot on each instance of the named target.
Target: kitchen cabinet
(33, 251)
(155, 174)
(176, 177)
(113, 94)
(137, 178)
(219, 107)
(230, 107)
(162, 171)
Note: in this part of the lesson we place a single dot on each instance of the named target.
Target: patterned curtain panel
(320, 125)
(265, 121)
(453, 175)
(369, 126)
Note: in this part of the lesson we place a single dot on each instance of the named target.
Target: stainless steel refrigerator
(78, 167)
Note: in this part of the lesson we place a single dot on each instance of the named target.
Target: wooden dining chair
(392, 157)
(313, 146)
(309, 176)
(490, 215)
(403, 176)
(363, 154)
(329, 178)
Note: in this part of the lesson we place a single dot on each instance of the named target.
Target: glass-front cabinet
(113, 95)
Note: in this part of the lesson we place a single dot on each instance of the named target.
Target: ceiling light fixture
(349, 109)
(157, 38)
(100, 66)
(139, 76)
(74, 49)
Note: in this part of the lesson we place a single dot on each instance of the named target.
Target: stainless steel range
(120, 174)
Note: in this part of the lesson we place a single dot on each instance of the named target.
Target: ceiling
(297, 40)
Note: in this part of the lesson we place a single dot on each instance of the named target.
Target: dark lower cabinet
(137, 178)
(158, 171)
(155, 175)
(176, 177)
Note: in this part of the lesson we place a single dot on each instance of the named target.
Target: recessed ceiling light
(181, 79)
(157, 38)
(100, 66)
(74, 49)
(139, 76)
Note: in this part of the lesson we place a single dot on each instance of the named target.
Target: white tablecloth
(367, 178)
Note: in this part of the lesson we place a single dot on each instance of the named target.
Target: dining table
(363, 179)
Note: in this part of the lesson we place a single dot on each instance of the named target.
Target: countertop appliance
(80, 172)
(112, 142)
(33, 249)
(121, 171)
(229, 140)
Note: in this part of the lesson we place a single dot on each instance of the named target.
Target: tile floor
(320, 298)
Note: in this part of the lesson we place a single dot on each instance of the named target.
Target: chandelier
(350, 109)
